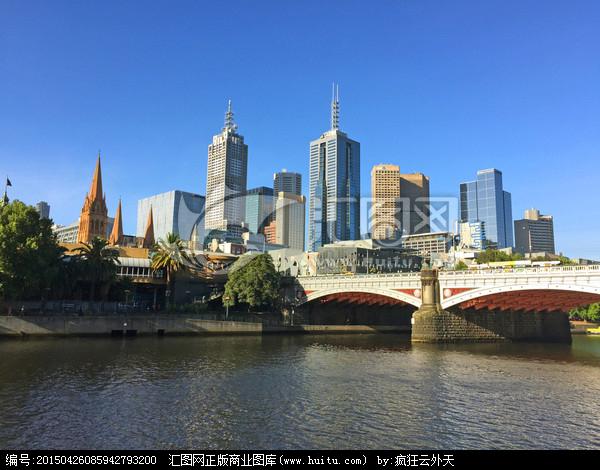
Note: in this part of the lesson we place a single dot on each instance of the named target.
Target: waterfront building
(93, 221)
(364, 256)
(385, 200)
(414, 195)
(226, 179)
(428, 243)
(287, 182)
(290, 216)
(484, 200)
(334, 185)
(472, 235)
(259, 208)
(178, 212)
(534, 233)
(43, 209)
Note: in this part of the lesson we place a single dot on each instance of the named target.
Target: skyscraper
(385, 194)
(259, 208)
(287, 182)
(226, 178)
(485, 200)
(334, 185)
(93, 220)
(44, 209)
(291, 214)
(414, 194)
(534, 233)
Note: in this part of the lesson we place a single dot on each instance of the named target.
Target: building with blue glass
(259, 208)
(334, 186)
(484, 200)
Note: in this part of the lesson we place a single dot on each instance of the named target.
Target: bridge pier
(432, 324)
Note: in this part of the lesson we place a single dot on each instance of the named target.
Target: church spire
(335, 107)
(148, 241)
(96, 187)
(116, 236)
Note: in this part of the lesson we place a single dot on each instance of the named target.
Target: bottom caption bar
(384, 459)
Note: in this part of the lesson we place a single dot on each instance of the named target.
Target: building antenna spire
(335, 107)
(229, 122)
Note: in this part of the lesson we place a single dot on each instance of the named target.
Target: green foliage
(256, 283)
(460, 266)
(98, 264)
(589, 313)
(169, 255)
(30, 257)
(490, 256)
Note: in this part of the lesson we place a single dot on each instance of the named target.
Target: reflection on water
(355, 391)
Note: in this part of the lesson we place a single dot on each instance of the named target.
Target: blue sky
(443, 87)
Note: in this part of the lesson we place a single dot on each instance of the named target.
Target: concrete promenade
(162, 324)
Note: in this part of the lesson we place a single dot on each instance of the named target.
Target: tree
(30, 257)
(460, 266)
(255, 283)
(587, 313)
(491, 255)
(169, 255)
(98, 264)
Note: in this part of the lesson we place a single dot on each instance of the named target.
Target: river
(297, 392)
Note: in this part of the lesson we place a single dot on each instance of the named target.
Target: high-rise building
(177, 212)
(43, 209)
(334, 186)
(400, 203)
(385, 209)
(472, 235)
(93, 220)
(414, 197)
(289, 227)
(259, 208)
(287, 182)
(534, 233)
(226, 179)
(485, 200)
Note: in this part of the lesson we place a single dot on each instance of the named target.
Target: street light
(226, 298)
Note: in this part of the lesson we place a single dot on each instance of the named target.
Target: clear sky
(444, 87)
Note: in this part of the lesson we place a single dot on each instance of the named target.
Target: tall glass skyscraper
(484, 200)
(259, 208)
(334, 186)
(226, 178)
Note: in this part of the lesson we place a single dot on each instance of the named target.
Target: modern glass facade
(485, 200)
(259, 208)
(334, 185)
(177, 212)
(334, 207)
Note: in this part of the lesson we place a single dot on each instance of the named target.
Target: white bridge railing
(592, 269)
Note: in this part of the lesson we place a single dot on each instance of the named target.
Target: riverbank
(164, 324)
(581, 327)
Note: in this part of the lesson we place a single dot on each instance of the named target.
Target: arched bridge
(538, 289)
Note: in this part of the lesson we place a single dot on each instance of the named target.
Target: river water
(297, 392)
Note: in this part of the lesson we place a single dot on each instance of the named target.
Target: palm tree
(169, 254)
(99, 262)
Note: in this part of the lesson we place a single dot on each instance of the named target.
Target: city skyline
(525, 119)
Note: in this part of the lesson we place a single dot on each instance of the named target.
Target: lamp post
(226, 298)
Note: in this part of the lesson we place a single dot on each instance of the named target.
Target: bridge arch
(390, 293)
(576, 294)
